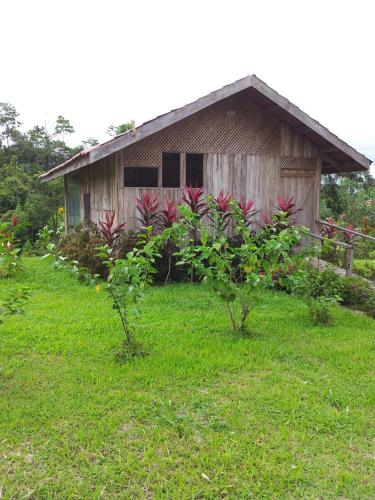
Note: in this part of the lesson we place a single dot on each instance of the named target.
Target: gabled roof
(338, 156)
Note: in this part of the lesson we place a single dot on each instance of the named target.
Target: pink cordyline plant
(329, 231)
(193, 199)
(247, 211)
(148, 206)
(287, 205)
(108, 230)
(266, 219)
(222, 203)
(169, 214)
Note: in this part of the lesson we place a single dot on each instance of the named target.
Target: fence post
(349, 260)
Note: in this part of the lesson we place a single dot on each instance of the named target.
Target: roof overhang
(338, 156)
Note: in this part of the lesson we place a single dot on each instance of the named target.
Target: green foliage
(10, 262)
(63, 126)
(114, 130)
(358, 294)
(80, 245)
(365, 268)
(235, 272)
(349, 199)
(127, 279)
(8, 122)
(24, 156)
(14, 302)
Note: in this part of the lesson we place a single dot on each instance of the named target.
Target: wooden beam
(328, 149)
(300, 129)
(345, 230)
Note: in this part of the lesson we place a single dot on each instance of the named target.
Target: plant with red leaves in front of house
(219, 210)
(169, 214)
(287, 205)
(108, 230)
(247, 211)
(148, 207)
(193, 199)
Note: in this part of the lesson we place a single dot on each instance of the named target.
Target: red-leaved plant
(247, 211)
(329, 231)
(169, 214)
(287, 205)
(222, 205)
(348, 237)
(108, 230)
(148, 207)
(193, 199)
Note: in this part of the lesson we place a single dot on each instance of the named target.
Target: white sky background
(102, 62)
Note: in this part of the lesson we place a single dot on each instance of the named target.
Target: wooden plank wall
(100, 181)
(259, 178)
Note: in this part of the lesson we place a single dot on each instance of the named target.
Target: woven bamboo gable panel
(236, 125)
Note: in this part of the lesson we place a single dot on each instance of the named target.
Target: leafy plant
(80, 245)
(148, 205)
(169, 214)
(358, 294)
(10, 262)
(247, 212)
(127, 279)
(193, 198)
(109, 231)
(219, 208)
(13, 303)
(321, 290)
(319, 310)
(236, 272)
(168, 218)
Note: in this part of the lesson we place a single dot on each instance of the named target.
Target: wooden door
(304, 186)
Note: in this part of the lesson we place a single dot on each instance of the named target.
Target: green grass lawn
(285, 413)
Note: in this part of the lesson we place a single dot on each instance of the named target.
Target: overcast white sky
(102, 62)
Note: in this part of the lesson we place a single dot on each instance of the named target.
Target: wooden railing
(348, 249)
(345, 230)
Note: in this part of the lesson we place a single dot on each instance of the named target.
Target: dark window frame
(174, 180)
(191, 174)
(134, 171)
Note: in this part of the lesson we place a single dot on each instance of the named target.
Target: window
(194, 169)
(140, 177)
(171, 170)
(73, 201)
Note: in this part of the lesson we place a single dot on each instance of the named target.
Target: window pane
(171, 170)
(194, 169)
(140, 177)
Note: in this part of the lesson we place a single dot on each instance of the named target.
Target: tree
(63, 126)
(114, 130)
(8, 121)
(89, 142)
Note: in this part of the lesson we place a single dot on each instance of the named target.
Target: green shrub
(81, 244)
(358, 294)
(319, 310)
(321, 289)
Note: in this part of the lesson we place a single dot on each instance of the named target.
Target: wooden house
(244, 138)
